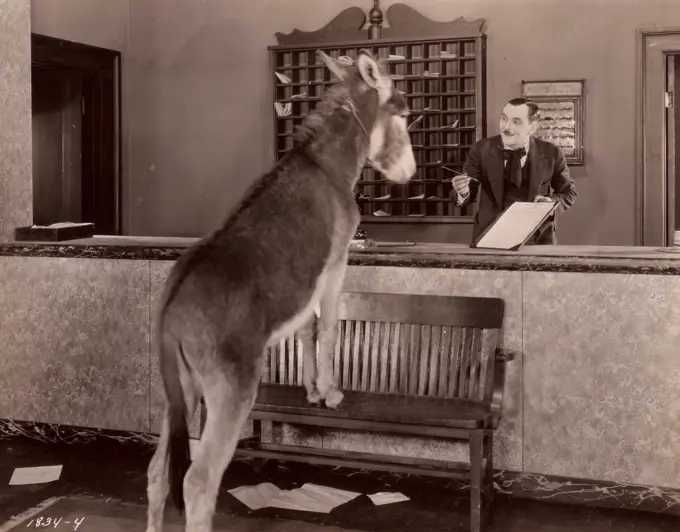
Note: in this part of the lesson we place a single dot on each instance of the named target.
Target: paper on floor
(308, 498)
(386, 497)
(35, 475)
(312, 498)
(256, 497)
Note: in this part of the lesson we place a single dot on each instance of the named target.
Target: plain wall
(197, 107)
(103, 23)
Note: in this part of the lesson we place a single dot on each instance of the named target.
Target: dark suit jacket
(549, 176)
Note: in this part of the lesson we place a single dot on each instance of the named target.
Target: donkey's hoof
(333, 398)
(314, 397)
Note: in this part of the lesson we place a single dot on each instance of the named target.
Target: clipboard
(515, 226)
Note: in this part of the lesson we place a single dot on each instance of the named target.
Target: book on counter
(515, 226)
(57, 232)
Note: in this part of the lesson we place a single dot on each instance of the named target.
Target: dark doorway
(76, 134)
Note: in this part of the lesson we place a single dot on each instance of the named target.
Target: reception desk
(594, 394)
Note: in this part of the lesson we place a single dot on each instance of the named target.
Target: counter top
(641, 260)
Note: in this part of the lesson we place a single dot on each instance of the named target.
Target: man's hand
(461, 184)
(543, 199)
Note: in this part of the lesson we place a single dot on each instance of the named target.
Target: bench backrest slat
(478, 312)
(440, 346)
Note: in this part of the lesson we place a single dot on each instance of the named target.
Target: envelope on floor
(387, 497)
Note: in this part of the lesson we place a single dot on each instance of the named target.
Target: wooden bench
(409, 365)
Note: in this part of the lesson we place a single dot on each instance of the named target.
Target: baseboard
(516, 484)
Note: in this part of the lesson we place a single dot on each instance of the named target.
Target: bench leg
(202, 416)
(257, 430)
(481, 485)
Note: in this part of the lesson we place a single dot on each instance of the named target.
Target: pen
(460, 173)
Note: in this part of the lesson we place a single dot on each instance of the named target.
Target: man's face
(515, 126)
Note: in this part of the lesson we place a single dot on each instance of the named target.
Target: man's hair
(534, 114)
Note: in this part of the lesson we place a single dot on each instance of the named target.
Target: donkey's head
(381, 111)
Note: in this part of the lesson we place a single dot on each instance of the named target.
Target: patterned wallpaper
(16, 200)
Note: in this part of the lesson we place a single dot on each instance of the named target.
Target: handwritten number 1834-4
(49, 522)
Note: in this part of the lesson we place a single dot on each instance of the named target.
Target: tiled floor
(111, 470)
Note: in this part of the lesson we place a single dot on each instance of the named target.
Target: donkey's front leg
(307, 336)
(327, 329)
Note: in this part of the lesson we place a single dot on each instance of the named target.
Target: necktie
(513, 166)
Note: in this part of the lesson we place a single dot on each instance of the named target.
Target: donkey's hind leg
(229, 397)
(158, 481)
(157, 473)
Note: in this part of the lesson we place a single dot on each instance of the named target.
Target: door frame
(100, 69)
(651, 198)
(671, 175)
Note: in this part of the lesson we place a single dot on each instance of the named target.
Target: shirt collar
(526, 146)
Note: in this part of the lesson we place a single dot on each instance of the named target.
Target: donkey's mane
(334, 97)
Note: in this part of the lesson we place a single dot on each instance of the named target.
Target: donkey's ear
(336, 67)
(370, 71)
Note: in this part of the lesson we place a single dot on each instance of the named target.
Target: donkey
(281, 254)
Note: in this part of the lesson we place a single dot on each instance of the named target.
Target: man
(515, 166)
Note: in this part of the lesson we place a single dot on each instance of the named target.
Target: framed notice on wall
(562, 110)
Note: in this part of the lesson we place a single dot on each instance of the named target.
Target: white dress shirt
(460, 199)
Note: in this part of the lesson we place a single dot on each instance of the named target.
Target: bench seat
(371, 410)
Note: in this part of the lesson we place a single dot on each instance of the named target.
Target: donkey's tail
(179, 457)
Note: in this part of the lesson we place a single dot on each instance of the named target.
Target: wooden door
(56, 120)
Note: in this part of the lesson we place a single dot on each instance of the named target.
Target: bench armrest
(503, 356)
